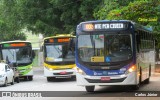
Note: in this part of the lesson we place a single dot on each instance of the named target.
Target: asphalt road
(68, 88)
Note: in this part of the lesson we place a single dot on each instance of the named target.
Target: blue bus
(113, 52)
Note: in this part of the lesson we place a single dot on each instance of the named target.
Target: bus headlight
(80, 71)
(131, 69)
(75, 69)
(30, 67)
(50, 69)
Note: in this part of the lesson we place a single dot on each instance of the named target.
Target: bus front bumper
(26, 73)
(85, 80)
(65, 73)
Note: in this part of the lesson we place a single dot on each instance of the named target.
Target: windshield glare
(59, 53)
(18, 55)
(104, 47)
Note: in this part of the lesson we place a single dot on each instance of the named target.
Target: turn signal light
(132, 68)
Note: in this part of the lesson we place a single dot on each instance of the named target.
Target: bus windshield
(59, 52)
(17, 55)
(104, 47)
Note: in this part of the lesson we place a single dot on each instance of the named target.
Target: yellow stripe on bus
(60, 66)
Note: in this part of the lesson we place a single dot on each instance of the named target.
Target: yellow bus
(59, 56)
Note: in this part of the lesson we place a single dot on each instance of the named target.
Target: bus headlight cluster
(80, 71)
(30, 67)
(75, 68)
(131, 69)
(50, 69)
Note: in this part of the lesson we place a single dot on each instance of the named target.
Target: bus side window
(138, 42)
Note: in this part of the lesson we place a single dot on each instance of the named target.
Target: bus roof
(136, 25)
(18, 41)
(60, 36)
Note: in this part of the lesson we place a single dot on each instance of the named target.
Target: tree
(49, 17)
(10, 23)
(145, 12)
(110, 6)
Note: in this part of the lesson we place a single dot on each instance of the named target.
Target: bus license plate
(105, 78)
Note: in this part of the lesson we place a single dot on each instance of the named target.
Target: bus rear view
(106, 54)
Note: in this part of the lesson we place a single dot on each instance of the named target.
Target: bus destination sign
(108, 26)
(103, 26)
(57, 40)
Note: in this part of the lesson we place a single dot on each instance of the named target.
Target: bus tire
(17, 79)
(73, 78)
(90, 88)
(49, 79)
(30, 78)
(136, 87)
(147, 81)
(25, 78)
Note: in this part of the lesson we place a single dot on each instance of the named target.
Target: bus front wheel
(49, 79)
(30, 78)
(136, 87)
(17, 79)
(90, 88)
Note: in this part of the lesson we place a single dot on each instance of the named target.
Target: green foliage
(10, 21)
(111, 8)
(105, 8)
(49, 17)
(145, 12)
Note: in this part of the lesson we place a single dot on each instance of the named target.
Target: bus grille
(108, 81)
(67, 73)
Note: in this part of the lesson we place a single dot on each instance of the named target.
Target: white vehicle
(6, 74)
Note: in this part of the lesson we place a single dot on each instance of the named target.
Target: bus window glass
(104, 47)
(59, 52)
(18, 55)
(118, 47)
(91, 46)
